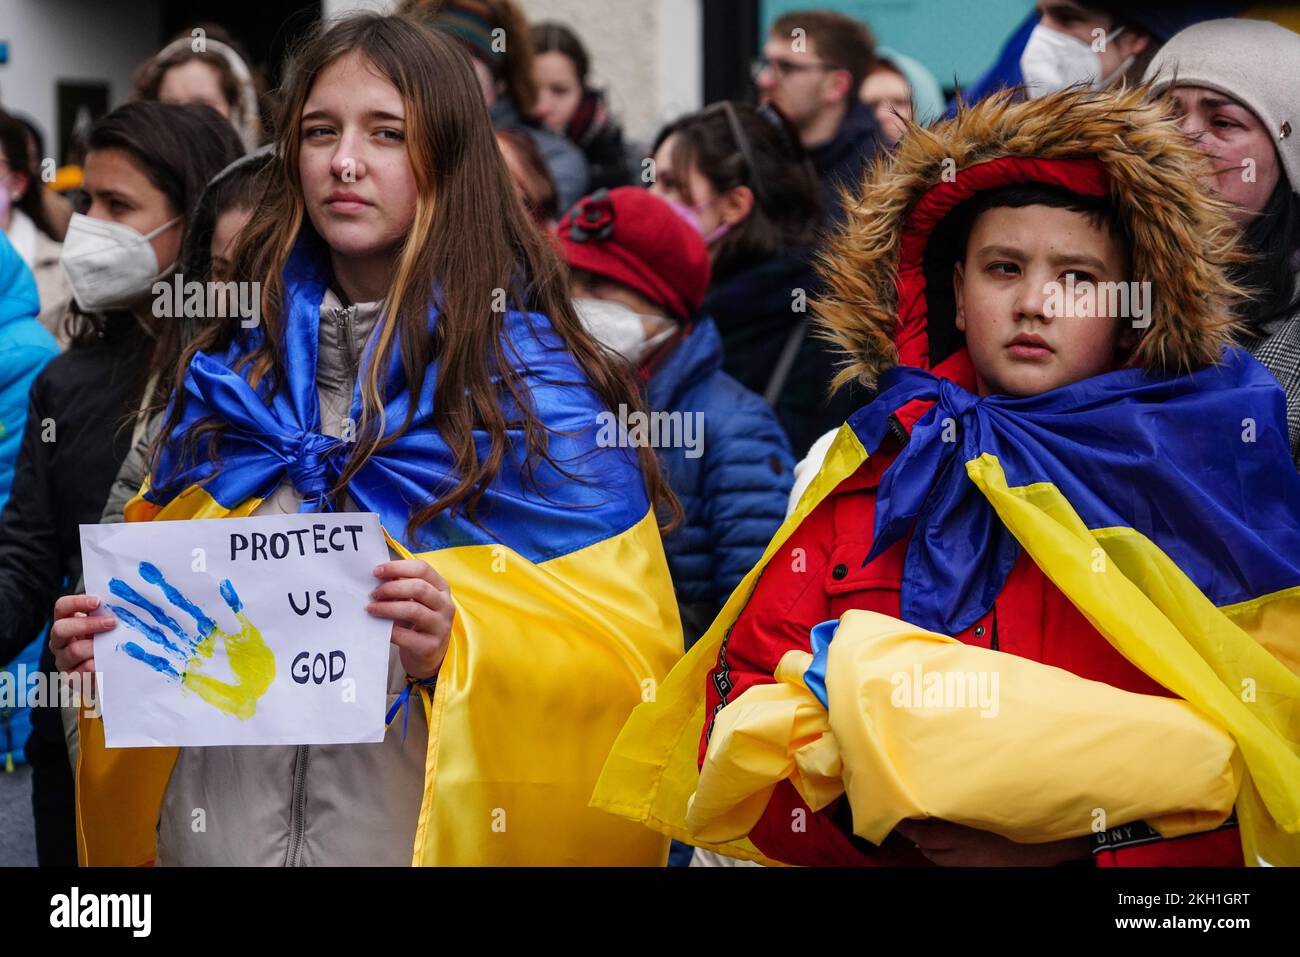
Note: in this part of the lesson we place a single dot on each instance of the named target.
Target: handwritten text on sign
(240, 631)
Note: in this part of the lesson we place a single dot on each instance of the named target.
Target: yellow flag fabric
(1159, 620)
(1237, 664)
(651, 770)
(921, 725)
(546, 661)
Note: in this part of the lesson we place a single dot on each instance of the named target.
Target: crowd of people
(839, 295)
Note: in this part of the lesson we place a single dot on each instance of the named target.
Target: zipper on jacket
(898, 431)
(298, 808)
(347, 338)
(993, 638)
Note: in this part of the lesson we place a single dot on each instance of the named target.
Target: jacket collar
(858, 134)
(697, 356)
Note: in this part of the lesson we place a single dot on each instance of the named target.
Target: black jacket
(610, 160)
(755, 311)
(842, 161)
(72, 446)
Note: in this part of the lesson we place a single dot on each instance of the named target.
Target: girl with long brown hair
(419, 357)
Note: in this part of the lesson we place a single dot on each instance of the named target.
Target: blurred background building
(61, 59)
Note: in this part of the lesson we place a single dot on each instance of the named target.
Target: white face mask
(109, 264)
(620, 329)
(1053, 60)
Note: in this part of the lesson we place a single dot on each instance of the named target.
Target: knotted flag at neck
(1191, 461)
(564, 604)
(269, 435)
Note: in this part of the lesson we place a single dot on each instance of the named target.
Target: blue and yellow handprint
(185, 655)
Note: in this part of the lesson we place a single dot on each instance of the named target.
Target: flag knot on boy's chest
(1126, 448)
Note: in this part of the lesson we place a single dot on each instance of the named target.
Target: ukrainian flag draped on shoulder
(564, 608)
(1165, 508)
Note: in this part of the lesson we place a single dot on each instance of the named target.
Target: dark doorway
(730, 45)
(266, 29)
(80, 105)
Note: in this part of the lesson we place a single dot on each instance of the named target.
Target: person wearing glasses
(1100, 43)
(811, 69)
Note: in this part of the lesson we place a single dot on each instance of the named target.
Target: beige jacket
(41, 254)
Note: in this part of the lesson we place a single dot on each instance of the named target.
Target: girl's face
(121, 193)
(1241, 151)
(886, 91)
(559, 91)
(713, 211)
(358, 185)
(487, 83)
(687, 186)
(194, 82)
(224, 234)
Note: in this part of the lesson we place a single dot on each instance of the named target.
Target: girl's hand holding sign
(418, 602)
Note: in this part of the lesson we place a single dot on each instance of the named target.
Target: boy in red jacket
(985, 283)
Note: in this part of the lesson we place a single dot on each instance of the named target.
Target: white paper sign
(240, 630)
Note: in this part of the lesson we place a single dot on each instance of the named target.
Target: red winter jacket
(819, 575)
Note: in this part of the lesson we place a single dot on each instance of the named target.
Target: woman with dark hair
(26, 221)
(1240, 108)
(495, 35)
(145, 167)
(205, 65)
(417, 356)
(568, 104)
(739, 174)
(222, 213)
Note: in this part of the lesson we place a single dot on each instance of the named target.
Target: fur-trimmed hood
(880, 310)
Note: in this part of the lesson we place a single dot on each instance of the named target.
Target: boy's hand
(954, 845)
(418, 602)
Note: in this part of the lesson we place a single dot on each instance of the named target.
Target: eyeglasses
(784, 68)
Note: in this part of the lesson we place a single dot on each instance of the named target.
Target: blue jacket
(25, 347)
(843, 161)
(732, 478)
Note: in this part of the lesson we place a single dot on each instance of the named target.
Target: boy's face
(1010, 289)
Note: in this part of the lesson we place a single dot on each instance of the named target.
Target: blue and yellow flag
(1165, 508)
(565, 616)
